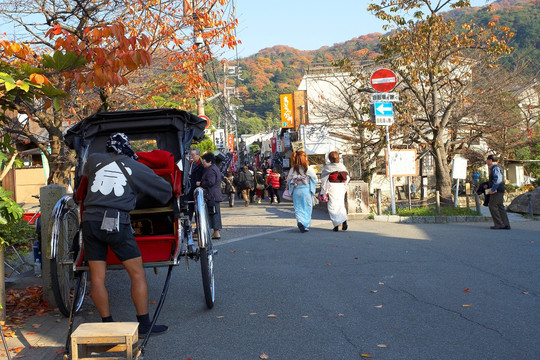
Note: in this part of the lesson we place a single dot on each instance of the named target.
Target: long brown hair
(299, 160)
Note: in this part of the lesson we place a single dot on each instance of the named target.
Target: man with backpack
(245, 183)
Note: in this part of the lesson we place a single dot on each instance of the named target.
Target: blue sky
(303, 24)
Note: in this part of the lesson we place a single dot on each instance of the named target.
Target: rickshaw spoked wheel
(206, 255)
(63, 278)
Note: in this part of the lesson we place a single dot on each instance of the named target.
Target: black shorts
(97, 241)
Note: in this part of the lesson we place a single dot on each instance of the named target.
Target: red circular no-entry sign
(383, 80)
(205, 118)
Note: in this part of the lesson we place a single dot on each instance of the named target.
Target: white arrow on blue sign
(383, 109)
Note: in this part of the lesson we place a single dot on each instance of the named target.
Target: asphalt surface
(380, 290)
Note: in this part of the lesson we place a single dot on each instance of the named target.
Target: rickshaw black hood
(134, 121)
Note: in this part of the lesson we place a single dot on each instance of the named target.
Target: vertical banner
(273, 144)
(287, 140)
(219, 138)
(287, 110)
(230, 141)
(279, 144)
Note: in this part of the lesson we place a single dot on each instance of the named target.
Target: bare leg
(97, 287)
(139, 287)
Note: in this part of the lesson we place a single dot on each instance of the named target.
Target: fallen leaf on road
(263, 356)
(304, 316)
(378, 306)
(525, 292)
(252, 313)
(382, 346)
(467, 290)
(329, 264)
(366, 356)
(465, 305)
(220, 316)
(373, 291)
(153, 302)
(381, 283)
(356, 258)
(60, 351)
(90, 313)
(233, 251)
(36, 326)
(31, 333)
(341, 315)
(58, 320)
(271, 316)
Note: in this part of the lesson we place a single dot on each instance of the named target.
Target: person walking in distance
(246, 183)
(230, 190)
(273, 183)
(334, 181)
(495, 190)
(301, 181)
(115, 179)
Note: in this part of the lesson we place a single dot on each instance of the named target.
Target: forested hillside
(279, 69)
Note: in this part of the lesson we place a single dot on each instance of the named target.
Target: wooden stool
(104, 337)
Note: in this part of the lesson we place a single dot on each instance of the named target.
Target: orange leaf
(272, 316)
(31, 333)
(366, 356)
(466, 290)
(465, 305)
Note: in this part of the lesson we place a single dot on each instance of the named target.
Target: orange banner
(230, 141)
(287, 110)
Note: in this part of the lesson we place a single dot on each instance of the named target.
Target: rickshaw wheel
(63, 278)
(207, 269)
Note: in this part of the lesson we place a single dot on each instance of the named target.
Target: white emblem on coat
(110, 178)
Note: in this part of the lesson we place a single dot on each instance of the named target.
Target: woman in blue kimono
(302, 180)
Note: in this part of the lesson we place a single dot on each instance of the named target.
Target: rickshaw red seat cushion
(153, 249)
(162, 162)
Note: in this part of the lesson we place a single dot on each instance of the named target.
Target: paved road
(390, 291)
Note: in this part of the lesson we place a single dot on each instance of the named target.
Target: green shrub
(432, 211)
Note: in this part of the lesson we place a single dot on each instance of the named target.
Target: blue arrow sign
(383, 109)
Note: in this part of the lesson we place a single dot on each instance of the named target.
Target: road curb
(430, 219)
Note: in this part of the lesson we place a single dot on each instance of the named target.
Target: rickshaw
(162, 140)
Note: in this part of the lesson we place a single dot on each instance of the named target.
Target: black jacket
(196, 173)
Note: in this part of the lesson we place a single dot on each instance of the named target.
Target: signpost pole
(392, 196)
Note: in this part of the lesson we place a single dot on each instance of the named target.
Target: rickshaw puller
(114, 180)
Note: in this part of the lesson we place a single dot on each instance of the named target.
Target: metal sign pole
(392, 196)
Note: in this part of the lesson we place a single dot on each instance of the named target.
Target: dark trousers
(214, 220)
(273, 193)
(496, 208)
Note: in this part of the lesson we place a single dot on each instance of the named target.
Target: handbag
(323, 198)
(287, 195)
(260, 186)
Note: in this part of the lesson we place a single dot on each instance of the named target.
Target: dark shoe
(216, 237)
(144, 327)
(496, 227)
(301, 227)
(156, 330)
(507, 227)
(344, 226)
(336, 228)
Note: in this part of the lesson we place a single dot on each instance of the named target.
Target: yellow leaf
(466, 305)
(271, 316)
(366, 356)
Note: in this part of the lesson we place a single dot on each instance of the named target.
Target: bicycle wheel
(64, 231)
(207, 269)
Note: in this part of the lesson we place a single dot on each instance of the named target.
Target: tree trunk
(442, 173)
